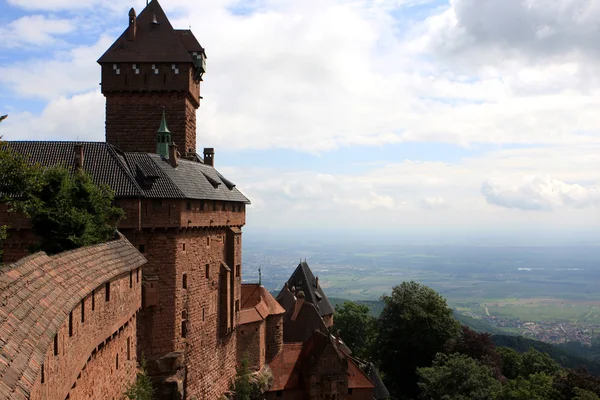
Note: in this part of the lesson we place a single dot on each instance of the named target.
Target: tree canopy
(67, 210)
(413, 327)
(356, 327)
(457, 377)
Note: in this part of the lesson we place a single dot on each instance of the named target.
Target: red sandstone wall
(361, 394)
(85, 367)
(210, 356)
(251, 344)
(176, 213)
(289, 395)
(274, 337)
(133, 118)
(329, 376)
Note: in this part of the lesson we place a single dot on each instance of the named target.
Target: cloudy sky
(406, 116)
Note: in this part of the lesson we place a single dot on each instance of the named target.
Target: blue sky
(404, 116)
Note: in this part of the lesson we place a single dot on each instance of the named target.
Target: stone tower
(151, 66)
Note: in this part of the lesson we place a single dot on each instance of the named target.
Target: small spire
(163, 124)
(259, 277)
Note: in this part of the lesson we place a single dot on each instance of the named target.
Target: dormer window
(116, 69)
(175, 69)
(136, 70)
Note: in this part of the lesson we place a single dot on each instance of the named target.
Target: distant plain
(526, 282)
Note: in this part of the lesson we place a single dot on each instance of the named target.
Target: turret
(163, 137)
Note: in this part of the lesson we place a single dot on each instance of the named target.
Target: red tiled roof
(285, 372)
(37, 294)
(257, 304)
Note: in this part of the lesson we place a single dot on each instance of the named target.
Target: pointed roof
(154, 42)
(304, 280)
(163, 124)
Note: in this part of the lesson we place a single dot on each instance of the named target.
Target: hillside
(567, 359)
(568, 356)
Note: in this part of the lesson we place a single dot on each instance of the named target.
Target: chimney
(132, 25)
(299, 304)
(173, 155)
(209, 156)
(78, 149)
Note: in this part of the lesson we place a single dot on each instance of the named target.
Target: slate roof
(37, 294)
(380, 392)
(301, 318)
(257, 304)
(135, 174)
(304, 280)
(153, 42)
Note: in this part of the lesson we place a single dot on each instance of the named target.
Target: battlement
(151, 77)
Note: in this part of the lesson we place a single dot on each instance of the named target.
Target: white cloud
(34, 30)
(538, 193)
(67, 73)
(320, 75)
(65, 118)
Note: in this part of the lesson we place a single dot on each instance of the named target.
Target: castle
(169, 288)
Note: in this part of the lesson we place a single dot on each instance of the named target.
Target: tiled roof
(283, 366)
(189, 41)
(38, 292)
(125, 172)
(101, 160)
(293, 358)
(154, 42)
(304, 280)
(257, 304)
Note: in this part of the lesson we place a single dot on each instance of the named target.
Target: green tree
(457, 377)
(581, 394)
(17, 179)
(142, 388)
(69, 211)
(512, 362)
(537, 386)
(356, 327)
(243, 387)
(535, 362)
(413, 327)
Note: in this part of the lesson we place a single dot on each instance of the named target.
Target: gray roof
(304, 280)
(136, 174)
(380, 392)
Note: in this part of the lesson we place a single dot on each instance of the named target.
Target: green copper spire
(163, 137)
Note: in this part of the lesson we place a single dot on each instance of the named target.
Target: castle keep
(187, 313)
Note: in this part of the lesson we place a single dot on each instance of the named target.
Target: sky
(407, 117)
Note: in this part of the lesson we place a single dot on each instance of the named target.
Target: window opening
(71, 324)
(107, 291)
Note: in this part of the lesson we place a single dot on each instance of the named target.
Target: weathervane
(259, 276)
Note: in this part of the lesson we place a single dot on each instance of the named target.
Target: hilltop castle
(174, 274)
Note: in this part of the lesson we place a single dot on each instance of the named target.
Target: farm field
(529, 283)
